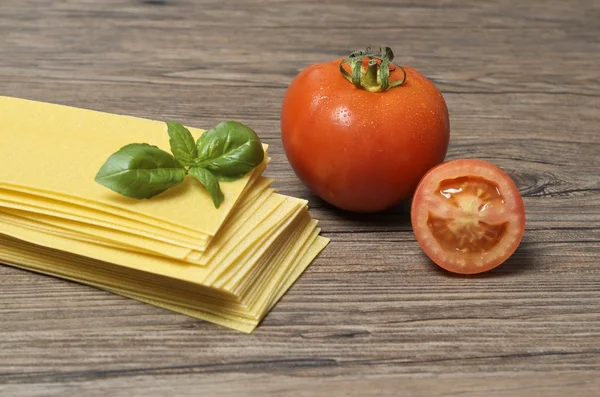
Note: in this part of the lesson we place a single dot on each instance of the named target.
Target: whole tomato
(360, 132)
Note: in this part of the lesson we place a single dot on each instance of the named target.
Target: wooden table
(372, 315)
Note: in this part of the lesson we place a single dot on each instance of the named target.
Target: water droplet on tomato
(343, 116)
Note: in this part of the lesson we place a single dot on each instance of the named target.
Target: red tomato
(468, 216)
(359, 150)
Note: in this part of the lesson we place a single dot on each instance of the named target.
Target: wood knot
(546, 184)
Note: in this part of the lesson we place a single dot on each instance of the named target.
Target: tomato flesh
(468, 216)
(470, 233)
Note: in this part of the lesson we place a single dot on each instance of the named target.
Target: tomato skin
(358, 150)
(511, 213)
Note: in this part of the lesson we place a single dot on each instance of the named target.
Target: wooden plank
(372, 316)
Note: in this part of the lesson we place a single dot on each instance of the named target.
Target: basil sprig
(226, 153)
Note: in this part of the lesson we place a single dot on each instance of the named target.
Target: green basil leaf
(229, 151)
(210, 182)
(182, 143)
(140, 171)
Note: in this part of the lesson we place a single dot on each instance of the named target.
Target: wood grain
(372, 316)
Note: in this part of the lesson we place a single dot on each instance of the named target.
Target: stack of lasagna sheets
(228, 265)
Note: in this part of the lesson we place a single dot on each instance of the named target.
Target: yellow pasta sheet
(168, 288)
(57, 150)
(81, 269)
(65, 227)
(228, 265)
(164, 266)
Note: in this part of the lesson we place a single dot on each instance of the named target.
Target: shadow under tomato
(398, 215)
(522, 260)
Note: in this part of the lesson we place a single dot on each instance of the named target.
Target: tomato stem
(369, 78)
(375, 75)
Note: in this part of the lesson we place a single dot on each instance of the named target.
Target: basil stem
(210, 182)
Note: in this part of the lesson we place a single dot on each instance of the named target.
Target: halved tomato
(468, 216)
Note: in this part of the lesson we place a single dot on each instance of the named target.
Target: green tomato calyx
(370, 70)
